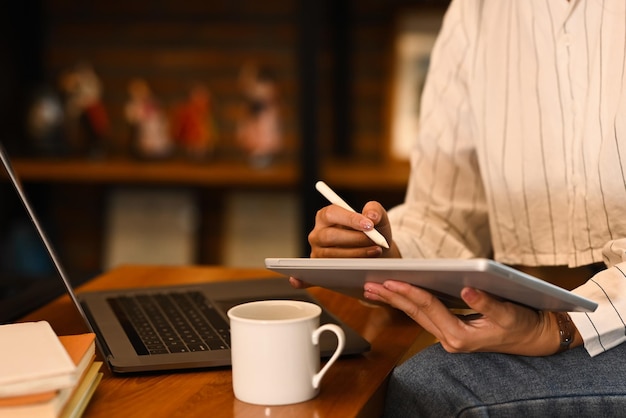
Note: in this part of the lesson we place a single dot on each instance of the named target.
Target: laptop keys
(171, 323)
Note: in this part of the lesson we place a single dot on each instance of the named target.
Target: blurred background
(192, 131)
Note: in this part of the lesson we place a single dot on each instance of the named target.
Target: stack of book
(44, 375)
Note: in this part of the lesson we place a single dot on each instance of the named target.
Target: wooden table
(354, 386)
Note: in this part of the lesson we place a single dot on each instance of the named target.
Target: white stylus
(334, 198)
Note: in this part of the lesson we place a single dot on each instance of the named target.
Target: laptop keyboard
(178, 322)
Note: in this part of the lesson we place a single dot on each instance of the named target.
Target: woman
(519, 157)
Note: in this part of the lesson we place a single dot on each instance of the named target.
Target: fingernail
(366, 225)
(469, 294)
(372, 215)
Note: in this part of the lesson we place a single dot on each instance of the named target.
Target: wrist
(566, 331)
(564, 327)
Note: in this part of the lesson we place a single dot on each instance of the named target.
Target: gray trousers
(434, 383)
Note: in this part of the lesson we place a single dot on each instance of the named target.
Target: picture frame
(415, 32)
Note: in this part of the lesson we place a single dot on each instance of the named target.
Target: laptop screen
(28, 278)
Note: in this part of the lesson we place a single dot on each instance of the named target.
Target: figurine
(258, 130)
(44, 123)
(193, 127)
(150, 134)
(86, 119)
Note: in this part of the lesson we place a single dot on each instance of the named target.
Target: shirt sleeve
(445, 214)
(605, 328)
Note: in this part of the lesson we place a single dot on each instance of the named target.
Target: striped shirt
(521, 150)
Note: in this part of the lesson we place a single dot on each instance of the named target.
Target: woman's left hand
(502, 326)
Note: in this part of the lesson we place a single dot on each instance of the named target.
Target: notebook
(126, 322)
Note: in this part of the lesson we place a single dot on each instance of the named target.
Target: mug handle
(341, 341)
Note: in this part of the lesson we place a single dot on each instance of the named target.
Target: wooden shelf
(342, 175)
(215, 174)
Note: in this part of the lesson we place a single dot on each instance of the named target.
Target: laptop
(127, 322)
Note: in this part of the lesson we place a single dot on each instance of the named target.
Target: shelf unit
(331, 60)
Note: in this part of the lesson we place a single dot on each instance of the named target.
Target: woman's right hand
(338, 233)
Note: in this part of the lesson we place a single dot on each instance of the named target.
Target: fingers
(353, 252)
(418, 304)
(338, 236)
(376, 213)
(489, 307)
(336, 215)
(456, 335)
(298, 284)
(502, 326)
(339, 232)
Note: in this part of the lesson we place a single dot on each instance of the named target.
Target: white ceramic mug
(275, 351)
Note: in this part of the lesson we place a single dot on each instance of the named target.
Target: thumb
(479, 301)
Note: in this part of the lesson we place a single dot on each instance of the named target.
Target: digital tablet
(443, 277)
